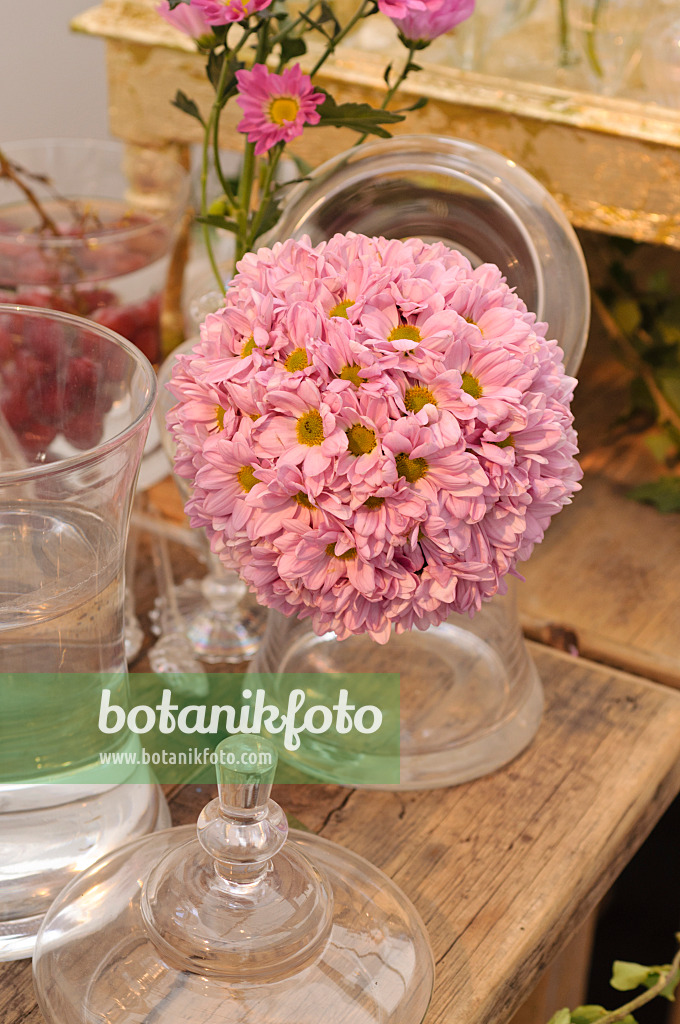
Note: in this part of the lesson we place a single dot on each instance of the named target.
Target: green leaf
(561, 1017)
(302, 165)
(271, 213)
(659, 282)
(359, 117)
(627, 314)
(627, 975)
(386, 74)
(663, 494)
(292, 47)
(589, 1014)
(326, 14)
(669, 382)
(662, 445)
(187, 106)
(418, 105)
(175, 3)
(217, 222)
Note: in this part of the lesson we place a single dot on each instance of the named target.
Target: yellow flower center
(346, 556)
(416, 397)
(509, 442)
(360, 440)
(282, 109)
(303, 500)
(310, 428)
(471, 385)
(374, 502)
(248, 347)
(408, 331)
(246, 478)
(219, 416)
(341, 308)
(411, 469)
(351, 372)
(297, 360)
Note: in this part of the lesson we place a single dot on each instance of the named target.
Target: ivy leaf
(562, 1016)
(663, 494)
(182, 102)
(590, 1014)
(359, 117)
(291, 47)
(627, 975)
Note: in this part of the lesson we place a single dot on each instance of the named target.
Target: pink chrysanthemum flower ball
(276, 107)
(374, 432)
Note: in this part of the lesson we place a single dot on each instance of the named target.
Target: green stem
(289, 29)
(591, 39)
(361, 13)
(268, 177)
(393, 88)
(563, 24)
(245, 188)
(645, 997)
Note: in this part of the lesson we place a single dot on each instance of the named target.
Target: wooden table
(506, 870)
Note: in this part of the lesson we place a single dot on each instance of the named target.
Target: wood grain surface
(504, 869)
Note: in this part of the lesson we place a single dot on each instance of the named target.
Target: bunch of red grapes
(71, 273)
(54, 380)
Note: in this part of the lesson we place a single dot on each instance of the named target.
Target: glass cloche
(233, 922)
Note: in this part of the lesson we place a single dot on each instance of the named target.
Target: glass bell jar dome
(234, 921)
(464, 195)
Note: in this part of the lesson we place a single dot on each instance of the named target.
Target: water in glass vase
(61, 612)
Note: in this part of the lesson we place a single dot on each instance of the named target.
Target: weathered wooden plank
(504, 869)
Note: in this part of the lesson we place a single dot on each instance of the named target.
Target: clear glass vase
(118, 214)
(75, 405)
(470, 695)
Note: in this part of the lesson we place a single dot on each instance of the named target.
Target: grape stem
(13, 173)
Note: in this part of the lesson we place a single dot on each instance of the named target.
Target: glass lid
(234, 921)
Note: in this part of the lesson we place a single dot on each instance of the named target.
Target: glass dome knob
(237, 904)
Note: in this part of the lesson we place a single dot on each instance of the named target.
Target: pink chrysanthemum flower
(223, 12)
(276, 107)
(374, 431)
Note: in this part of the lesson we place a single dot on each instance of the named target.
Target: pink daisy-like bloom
(188, 18)
(275, 107)
(374, 432)
(419, 26)
(223, 12)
